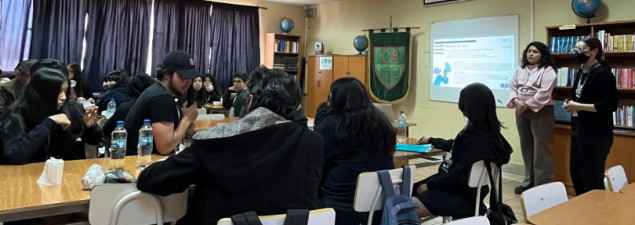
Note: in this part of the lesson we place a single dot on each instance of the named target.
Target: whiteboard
(483, 50)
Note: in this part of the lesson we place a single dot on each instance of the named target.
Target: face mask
(582, 58)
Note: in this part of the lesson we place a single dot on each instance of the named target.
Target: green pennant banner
(389, 66)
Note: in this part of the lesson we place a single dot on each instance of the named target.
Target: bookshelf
(620, 52)
(281, 52)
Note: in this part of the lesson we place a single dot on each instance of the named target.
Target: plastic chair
(213, 116)
(385, 109)
(125, 204)
(615, 178)
(539, 198)
(324, 216)
(201, 111)
(479, 178)
(477, 220)
(369, 196)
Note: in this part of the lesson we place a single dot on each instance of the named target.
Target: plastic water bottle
(118, 146)
(144, 148)
(401, 128)
(112, 106)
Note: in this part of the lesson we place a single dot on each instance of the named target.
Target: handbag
(498, 213)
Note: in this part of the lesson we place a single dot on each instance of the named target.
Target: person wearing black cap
(169, 122)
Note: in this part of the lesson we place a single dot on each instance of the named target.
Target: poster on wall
(389, 66)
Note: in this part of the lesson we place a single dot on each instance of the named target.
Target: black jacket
(599, 89)
(469, 146)
(268, 170)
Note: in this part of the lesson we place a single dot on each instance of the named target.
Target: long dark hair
(80, 85)
(217, 88)
(545, 55)
(595, 43)
(197, 96)
(477, 103)
(358, 124)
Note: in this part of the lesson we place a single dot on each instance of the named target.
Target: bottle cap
(146, 121)
(119, 123)
(112, 99)
(401, 111)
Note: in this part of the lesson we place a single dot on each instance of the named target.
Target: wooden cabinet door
(318, 85)
(340, 67)
(357, 68)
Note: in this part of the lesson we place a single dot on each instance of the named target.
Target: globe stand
(588, 19)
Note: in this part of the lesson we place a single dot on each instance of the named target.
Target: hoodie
(469, 146)
(268, 170)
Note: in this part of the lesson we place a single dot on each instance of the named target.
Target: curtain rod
(260, 7)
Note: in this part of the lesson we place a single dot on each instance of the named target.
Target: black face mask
(582, 58)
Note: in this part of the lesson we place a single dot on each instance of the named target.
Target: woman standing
(594, 101)
(530, 94)
(357, 138)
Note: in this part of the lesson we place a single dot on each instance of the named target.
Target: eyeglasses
(579, 49)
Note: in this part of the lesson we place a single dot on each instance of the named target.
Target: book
(413, 148)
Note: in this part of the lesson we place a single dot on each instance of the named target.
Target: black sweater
(268, 170)
(469, 146)
(599, 89)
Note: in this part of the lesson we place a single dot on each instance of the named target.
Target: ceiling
(303, 2)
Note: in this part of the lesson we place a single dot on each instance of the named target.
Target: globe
(585, 8)
(360, 43)
(286, 24)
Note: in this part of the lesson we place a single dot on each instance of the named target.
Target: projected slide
(461, 61)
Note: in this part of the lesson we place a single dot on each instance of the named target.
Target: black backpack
(498, 213)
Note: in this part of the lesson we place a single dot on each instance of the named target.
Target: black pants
(588, 158)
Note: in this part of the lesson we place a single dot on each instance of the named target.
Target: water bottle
(118, 146)
(112, 106)
(401, 128)
(144, 148)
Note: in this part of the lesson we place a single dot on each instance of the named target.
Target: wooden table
(629, 190)
(593, 207)
(21, 197)
(402, 158)
(200, 125)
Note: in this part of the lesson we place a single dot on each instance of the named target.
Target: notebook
(413, 148)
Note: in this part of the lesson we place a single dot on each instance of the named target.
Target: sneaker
(519, 190)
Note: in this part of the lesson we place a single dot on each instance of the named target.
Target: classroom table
(200, 125)
(216, 109)
(21, 197)
(593, 207)
(402, 158)
(629, 190)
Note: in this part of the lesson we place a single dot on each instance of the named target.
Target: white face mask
(73, 83)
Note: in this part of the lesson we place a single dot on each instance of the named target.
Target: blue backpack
(398, 209)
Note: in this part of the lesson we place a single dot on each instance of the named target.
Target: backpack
(398, 209)
(294, 217)
(499, 213)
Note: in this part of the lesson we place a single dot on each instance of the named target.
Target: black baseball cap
(182, 63)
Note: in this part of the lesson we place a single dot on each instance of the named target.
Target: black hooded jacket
(469, 146)
(268, 170)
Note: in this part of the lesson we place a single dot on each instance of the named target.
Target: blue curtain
(117, 37)
(182, 25)
(14, 18)
(235, 41)
(58, 29)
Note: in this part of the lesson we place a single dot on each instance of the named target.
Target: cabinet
(620, 53)
(318, 84)
(350, 66)
(281, 52)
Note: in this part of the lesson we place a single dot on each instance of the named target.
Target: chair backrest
(616, 178)
(125, 204)
(324, 216)
(213, 116)
(385, 109)
(369, 191)
(478, 174)
(539, 198)
(201, 111)
(476, 220)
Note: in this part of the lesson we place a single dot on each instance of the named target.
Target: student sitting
(263, 162)
(447, 193)
(241, 93)
(43, 123)
(79, 88)
(214, 92)
(136, 86)
(357, 138)
(12, 90)
(196, 92)
(115, 86)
